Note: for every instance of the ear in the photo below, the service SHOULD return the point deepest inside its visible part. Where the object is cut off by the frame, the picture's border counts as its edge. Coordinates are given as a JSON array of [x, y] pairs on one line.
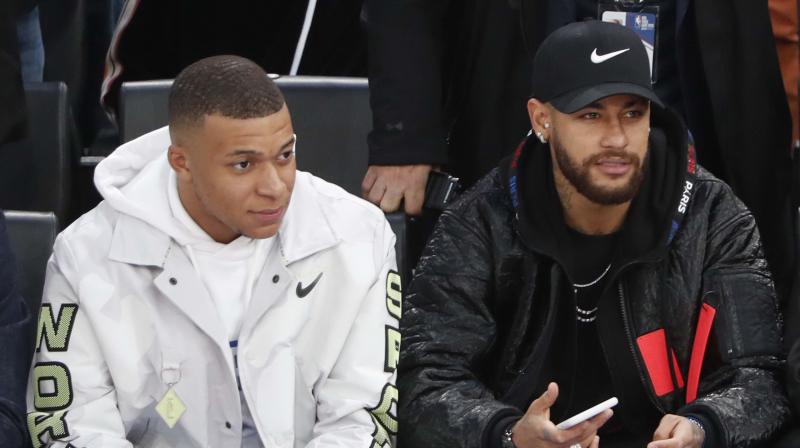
[[179, 161], [539, 115]]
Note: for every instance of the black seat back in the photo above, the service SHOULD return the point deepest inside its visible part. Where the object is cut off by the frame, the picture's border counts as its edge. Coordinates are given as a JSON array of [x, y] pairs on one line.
[[31, 235], [35, 172], [331, 117], [142, 107]]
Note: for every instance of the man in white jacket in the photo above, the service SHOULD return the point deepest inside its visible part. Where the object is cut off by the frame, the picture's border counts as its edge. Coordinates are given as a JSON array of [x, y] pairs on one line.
[[217, 297]]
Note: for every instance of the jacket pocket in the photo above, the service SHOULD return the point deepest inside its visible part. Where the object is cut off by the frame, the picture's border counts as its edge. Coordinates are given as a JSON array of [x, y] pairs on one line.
[[653, 348], [747, 321]]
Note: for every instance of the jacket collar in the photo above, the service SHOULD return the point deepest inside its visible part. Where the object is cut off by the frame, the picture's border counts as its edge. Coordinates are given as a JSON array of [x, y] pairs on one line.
[[307, 227], [136, 242], [306, 230]]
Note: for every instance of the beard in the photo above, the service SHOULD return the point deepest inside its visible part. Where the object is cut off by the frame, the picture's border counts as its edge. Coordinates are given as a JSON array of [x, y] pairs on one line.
[[578, 173]]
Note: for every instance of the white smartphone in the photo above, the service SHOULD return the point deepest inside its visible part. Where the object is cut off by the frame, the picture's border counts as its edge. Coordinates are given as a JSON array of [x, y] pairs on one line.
[[587, 414]]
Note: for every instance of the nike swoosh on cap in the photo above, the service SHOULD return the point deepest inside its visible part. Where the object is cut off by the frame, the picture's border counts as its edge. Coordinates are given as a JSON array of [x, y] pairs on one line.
[[597, 59]]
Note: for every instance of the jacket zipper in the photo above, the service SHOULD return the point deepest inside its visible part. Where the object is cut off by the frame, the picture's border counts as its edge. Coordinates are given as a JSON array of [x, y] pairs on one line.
[[632, 349], [628, 332]]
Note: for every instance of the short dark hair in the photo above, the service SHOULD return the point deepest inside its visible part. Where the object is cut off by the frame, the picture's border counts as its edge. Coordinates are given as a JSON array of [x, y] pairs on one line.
[[231, 86]]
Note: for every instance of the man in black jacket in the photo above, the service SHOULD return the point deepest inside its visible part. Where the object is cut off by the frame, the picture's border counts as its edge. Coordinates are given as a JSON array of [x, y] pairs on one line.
[[15, 350], [448, 81], [602, 258]]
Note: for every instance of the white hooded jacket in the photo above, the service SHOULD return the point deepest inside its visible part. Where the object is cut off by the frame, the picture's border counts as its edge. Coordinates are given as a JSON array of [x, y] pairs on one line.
[[125, 319]]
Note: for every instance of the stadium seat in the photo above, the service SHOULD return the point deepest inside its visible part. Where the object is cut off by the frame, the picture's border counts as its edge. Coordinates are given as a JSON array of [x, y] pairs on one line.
[[331, 117], [142, 107], [35, 172], [31, 235]]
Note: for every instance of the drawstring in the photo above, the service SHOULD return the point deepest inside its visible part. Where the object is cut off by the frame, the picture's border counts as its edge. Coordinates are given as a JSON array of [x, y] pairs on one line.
[[301, 42]]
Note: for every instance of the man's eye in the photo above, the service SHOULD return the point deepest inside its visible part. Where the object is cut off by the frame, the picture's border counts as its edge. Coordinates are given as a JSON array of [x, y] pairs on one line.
[[285, 155], [241, 165], [634, 114], [591, 115]]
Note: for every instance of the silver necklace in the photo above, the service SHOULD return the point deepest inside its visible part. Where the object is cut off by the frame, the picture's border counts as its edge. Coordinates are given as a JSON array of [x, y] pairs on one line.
[[583, 315], [593, 282], [586, 316]]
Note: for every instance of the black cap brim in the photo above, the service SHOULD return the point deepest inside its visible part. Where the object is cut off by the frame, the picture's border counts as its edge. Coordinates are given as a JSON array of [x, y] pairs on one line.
[[577, 99]]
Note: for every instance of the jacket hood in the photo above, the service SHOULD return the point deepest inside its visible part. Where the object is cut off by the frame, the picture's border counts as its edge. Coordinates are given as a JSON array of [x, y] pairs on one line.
[[655, 213], [134, 180]]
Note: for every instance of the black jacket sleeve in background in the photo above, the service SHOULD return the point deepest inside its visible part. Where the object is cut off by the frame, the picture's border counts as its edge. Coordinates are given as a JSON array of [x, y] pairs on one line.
[[405, 44], [15, 350], [12, 97]]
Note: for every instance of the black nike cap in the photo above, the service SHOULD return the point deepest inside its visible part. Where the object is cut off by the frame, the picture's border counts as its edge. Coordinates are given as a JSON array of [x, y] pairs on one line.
[[583, 62]]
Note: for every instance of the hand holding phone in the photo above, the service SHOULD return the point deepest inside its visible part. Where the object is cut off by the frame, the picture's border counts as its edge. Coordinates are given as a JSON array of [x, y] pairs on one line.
[[536, 429], [587, 414]]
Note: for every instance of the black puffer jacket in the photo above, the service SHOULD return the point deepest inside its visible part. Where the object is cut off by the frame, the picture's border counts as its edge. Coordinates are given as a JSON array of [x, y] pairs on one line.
[[480, 328]]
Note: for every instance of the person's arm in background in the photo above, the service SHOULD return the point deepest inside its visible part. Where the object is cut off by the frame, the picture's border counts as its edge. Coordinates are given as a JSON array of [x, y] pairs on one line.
[[15, 350], [405, 43], [785, 28], [143, 46]]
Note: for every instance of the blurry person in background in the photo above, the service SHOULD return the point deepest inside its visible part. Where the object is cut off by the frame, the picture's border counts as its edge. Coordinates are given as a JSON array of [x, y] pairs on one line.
[[31, 47], [155, 39], [787, 41], [12, 96]]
